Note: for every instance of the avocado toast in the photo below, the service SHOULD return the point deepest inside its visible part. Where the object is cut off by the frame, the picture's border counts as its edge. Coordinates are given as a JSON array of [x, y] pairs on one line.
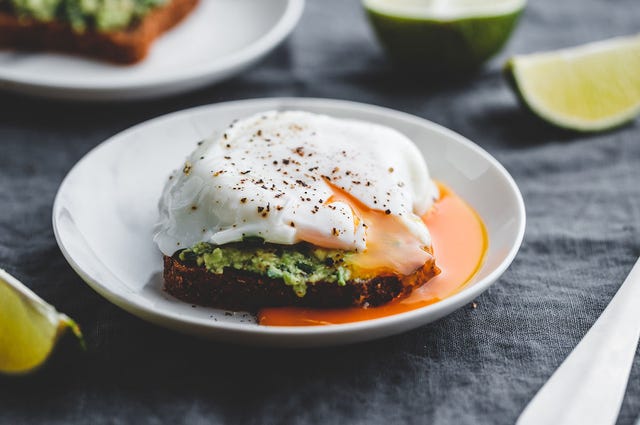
[[253, 274], [292, 208], [120, 31]]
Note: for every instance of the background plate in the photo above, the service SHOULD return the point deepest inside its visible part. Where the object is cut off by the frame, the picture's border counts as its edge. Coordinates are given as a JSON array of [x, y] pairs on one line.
[[106, 207], [219, 39]]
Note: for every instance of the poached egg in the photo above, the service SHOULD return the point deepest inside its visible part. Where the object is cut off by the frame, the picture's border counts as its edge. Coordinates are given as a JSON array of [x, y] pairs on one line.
[[294, 176]]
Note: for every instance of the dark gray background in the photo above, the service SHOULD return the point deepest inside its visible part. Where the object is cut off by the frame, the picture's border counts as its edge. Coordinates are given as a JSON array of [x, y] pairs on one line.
[[477, 366]]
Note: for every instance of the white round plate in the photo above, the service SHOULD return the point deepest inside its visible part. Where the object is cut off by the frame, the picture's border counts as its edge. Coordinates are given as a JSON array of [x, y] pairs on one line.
[[106, 207], [217, 40]]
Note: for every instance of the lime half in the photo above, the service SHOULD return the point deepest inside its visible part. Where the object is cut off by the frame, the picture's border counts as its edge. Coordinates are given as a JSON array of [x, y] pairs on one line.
[[587, 88], [29, 327], [443, 35]]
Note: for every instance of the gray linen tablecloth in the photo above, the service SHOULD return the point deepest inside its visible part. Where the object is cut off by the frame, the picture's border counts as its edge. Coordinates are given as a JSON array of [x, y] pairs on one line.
[[476, 366]]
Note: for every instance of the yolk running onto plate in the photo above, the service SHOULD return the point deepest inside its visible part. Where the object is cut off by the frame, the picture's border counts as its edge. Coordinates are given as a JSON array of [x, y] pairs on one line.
[[459, 243]]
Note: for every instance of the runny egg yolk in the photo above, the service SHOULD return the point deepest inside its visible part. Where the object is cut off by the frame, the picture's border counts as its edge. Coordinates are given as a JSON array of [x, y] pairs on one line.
[[459, 241], [391, 248]]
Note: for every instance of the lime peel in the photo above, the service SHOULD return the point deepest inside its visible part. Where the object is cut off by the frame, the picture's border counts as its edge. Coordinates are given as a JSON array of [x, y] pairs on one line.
[[29, 327], [588, 88]]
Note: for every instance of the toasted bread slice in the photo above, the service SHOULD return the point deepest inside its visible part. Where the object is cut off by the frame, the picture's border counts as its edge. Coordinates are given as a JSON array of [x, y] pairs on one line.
[[124, 46], [242, 290]]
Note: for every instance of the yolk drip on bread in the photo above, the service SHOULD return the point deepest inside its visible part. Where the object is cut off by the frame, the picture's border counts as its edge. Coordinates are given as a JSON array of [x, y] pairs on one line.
[[391, 248]]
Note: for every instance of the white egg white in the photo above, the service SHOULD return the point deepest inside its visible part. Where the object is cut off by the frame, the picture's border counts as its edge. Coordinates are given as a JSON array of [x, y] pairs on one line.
[[267, 176]]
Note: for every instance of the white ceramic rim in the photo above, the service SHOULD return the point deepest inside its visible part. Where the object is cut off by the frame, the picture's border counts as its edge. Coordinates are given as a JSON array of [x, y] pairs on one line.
[[436, 310], [246, 55]]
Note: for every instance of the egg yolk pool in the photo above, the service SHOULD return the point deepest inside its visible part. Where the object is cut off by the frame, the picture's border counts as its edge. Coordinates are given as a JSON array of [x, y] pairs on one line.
[[459, 241]]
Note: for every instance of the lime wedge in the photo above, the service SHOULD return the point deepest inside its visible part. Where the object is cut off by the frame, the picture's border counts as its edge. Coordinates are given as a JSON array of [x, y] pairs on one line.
[[29, 327], [587, 88], [443, 35]]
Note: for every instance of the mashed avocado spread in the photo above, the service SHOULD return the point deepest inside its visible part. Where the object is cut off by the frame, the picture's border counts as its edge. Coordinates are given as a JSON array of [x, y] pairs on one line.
[[101, 15], [296, 265]]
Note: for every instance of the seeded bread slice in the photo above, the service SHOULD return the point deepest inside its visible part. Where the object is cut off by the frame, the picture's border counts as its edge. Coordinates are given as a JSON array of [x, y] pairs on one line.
[[125, 46], [242, 290]]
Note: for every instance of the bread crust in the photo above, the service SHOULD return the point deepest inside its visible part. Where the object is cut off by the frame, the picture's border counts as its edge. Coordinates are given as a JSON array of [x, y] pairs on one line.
[[124, 46], [242, 290]]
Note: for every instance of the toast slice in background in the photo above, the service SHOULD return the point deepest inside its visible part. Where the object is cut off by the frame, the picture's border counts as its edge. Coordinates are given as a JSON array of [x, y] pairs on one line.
[[126, 46]]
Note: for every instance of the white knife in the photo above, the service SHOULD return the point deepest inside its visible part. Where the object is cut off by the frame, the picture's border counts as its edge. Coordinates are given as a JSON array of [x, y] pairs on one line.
[[589, 385]]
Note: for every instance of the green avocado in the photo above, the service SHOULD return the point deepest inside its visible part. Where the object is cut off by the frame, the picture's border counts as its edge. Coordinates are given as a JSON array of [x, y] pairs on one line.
[[100, 15], [296, 265]]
